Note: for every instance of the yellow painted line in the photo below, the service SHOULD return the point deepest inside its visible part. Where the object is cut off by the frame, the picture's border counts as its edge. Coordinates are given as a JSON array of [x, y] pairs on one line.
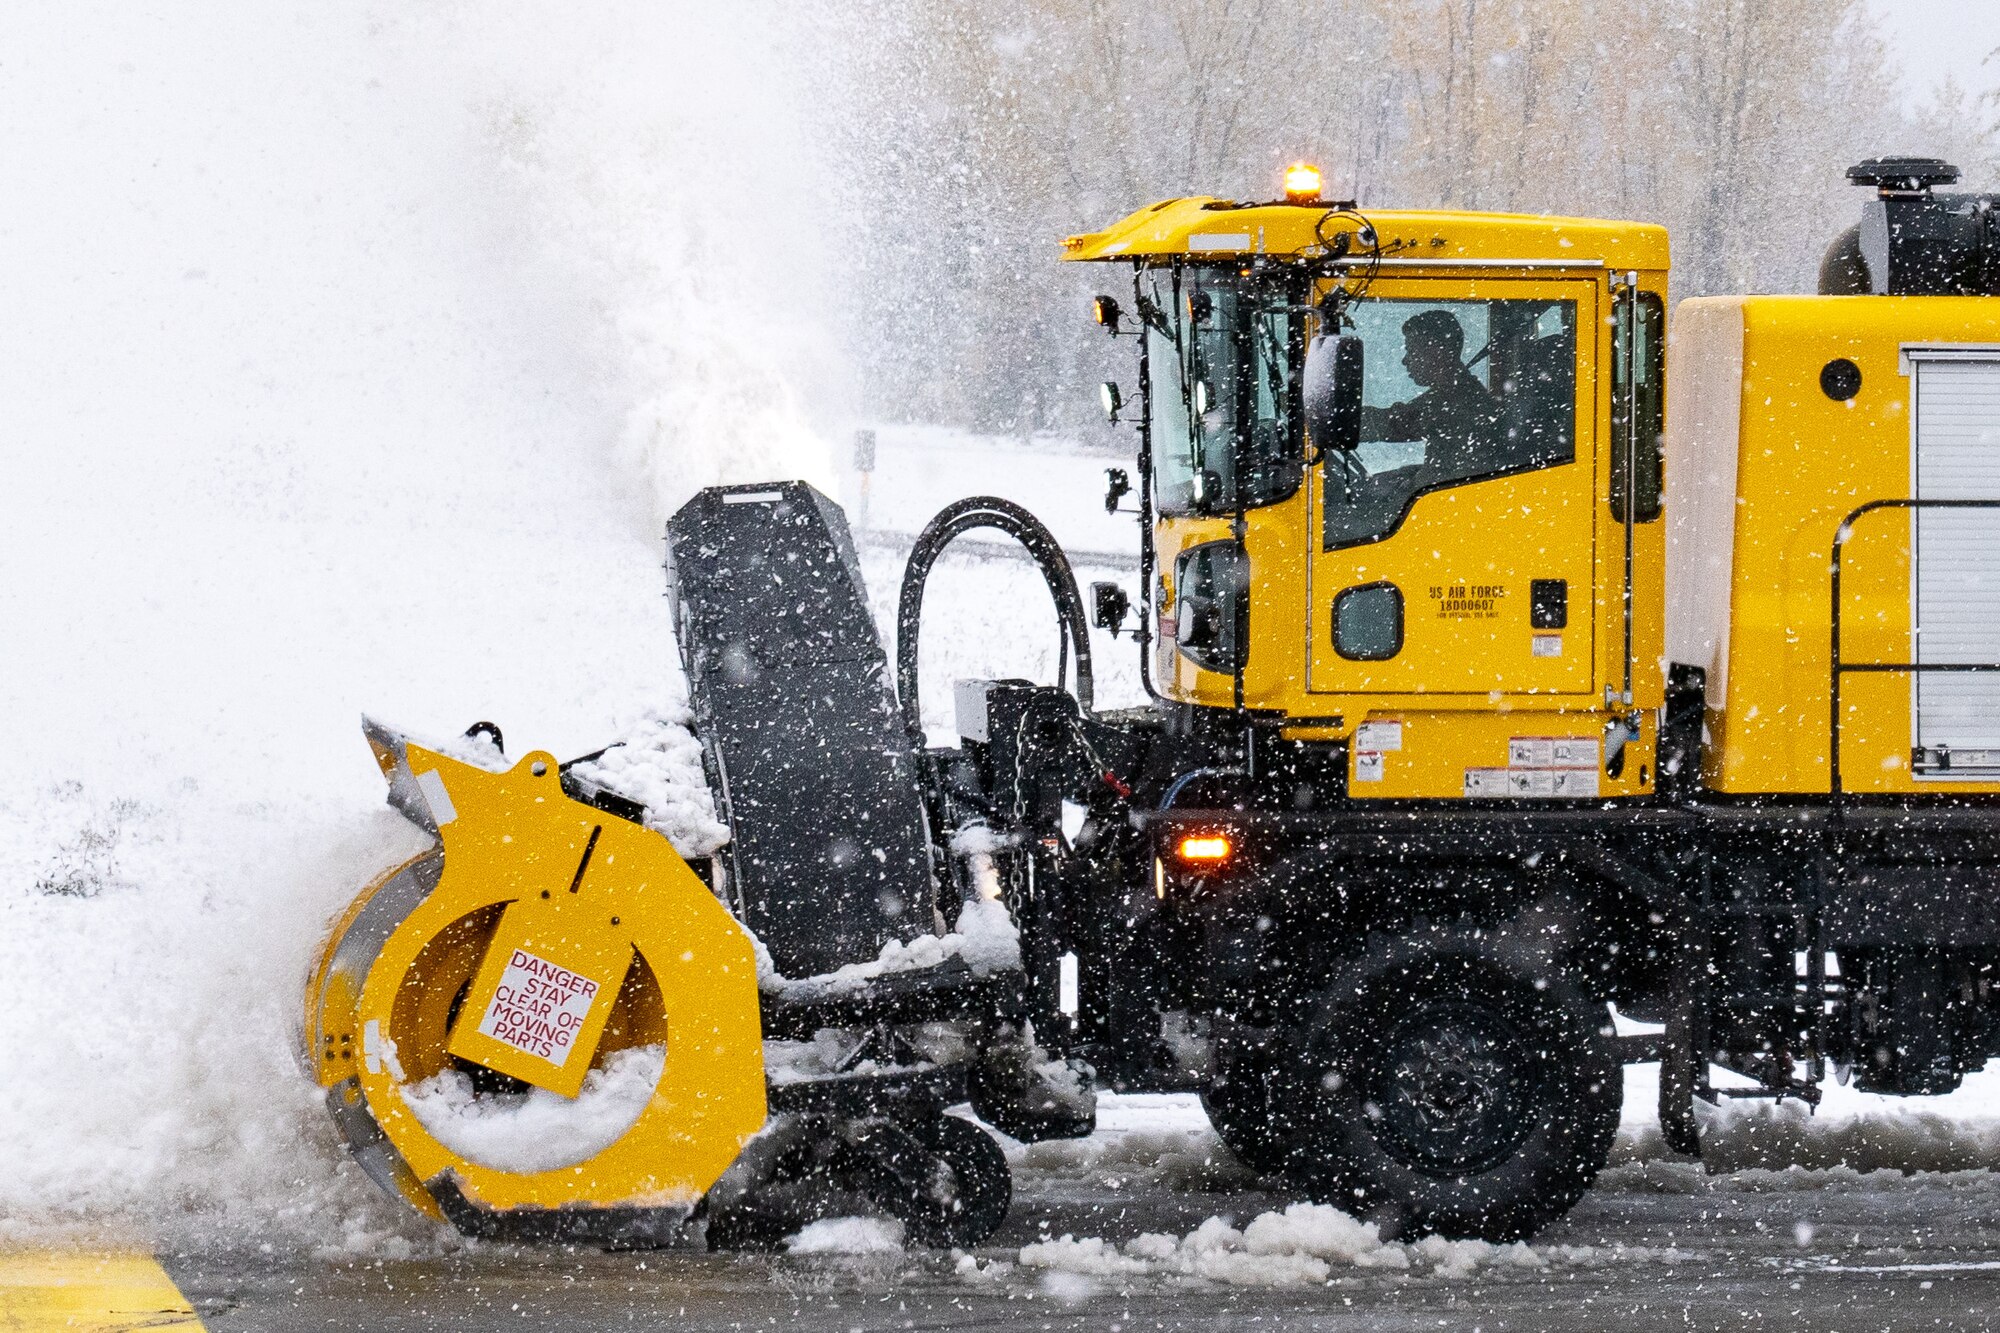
[[88, 1292]]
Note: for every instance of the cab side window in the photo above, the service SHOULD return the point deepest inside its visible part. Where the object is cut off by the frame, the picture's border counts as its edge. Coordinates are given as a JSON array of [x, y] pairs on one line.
[[1638, 403], [1455, 392]]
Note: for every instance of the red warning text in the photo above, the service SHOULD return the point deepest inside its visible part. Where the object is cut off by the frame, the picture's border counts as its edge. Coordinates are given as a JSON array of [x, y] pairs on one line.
[[539, 1007]]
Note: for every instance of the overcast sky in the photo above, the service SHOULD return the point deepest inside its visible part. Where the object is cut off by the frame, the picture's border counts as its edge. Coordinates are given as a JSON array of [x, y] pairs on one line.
[[1936, 36]]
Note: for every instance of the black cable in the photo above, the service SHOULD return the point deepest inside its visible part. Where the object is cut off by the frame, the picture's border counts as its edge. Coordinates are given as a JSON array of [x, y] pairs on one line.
[[985, 511]]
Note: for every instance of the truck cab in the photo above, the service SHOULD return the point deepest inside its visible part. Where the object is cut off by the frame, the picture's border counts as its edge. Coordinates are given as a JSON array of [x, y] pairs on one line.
[[1452, 595]]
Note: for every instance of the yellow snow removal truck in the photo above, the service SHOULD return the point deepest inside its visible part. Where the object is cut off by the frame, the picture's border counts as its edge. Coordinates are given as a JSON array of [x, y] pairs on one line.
[[1492, 687]]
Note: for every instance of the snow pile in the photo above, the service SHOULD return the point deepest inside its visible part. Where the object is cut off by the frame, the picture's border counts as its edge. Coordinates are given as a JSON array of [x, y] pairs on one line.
[[972, 1268], [1172, 1156], [985, 939], [981, 839], [1307, 1244], [538, 1130], [848, 1235], [1754, 1145], [154, 1087], [829, 1052], [474, 748], [1302, 1245], [1749, 1137], [658, 764]]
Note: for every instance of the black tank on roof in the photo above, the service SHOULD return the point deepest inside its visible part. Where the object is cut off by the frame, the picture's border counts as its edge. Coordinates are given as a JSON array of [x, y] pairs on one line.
[[1912, 241]]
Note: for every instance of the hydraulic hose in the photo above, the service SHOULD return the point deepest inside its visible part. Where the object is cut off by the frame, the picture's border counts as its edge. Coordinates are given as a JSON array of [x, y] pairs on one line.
[[985, 511]]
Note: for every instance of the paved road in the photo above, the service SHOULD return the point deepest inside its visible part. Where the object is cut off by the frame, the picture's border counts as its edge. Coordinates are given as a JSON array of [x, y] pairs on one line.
[[1659, 1245], [1918, 1267]]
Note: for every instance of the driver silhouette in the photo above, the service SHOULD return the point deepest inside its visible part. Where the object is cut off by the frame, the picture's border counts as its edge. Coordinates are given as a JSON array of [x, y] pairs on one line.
[[1454, 415]]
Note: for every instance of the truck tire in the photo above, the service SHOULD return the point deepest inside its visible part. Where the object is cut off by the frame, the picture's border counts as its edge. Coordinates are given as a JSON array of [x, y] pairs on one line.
[[1446, 1083]]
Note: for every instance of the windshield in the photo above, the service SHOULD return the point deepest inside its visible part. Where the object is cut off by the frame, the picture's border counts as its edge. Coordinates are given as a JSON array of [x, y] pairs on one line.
[[1453, 392], [1221, 357]]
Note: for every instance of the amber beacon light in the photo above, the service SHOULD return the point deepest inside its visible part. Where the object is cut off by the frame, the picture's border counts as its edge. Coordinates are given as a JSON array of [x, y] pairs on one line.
[[1208, 847], [1302, 183]]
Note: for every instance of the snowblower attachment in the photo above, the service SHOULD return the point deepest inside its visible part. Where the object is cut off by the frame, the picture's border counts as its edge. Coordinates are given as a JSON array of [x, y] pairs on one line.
[[550, 1026], [539, 951]]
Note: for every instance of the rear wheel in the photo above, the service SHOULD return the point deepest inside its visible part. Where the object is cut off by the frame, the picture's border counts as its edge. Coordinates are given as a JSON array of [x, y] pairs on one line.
[[1444, 1086]]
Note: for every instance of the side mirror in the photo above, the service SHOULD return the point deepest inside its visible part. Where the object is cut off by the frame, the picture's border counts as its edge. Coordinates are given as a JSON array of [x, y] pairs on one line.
[[1113, 400], [1117, 485], [1106, 312], [1109, 607], [1332, 392]]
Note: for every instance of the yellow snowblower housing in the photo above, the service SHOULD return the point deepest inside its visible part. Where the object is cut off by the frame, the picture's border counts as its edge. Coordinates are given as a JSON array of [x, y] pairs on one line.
[[1395, 496], [537, 941]]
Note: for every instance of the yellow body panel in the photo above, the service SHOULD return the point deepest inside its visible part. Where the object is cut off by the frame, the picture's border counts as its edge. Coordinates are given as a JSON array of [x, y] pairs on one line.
[[1209, 228], [1529, 753], [1761, 475], [669, 964]]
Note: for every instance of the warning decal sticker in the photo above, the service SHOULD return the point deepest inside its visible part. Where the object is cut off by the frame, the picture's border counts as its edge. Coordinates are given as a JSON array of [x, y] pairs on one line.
[[1379, 736], [1552, 752], [539, 1007], [1554, 766], [1371, 741]]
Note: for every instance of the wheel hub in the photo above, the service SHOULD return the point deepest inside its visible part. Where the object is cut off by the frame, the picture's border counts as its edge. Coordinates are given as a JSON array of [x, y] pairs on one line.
[[1453, 1091]]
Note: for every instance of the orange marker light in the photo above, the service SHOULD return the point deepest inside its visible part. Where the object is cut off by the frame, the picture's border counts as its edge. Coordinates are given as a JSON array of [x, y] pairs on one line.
[[1302, 183], [1205, 847]]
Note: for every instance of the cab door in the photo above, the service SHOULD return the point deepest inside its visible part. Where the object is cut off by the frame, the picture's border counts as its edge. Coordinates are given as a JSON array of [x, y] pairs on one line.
[[1452, 552]]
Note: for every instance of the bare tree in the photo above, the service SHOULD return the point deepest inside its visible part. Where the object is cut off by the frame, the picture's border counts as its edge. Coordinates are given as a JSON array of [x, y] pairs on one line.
[[998, 129]]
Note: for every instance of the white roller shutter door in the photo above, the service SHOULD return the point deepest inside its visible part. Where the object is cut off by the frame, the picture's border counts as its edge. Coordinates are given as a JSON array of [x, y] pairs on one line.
[[1956, 563]]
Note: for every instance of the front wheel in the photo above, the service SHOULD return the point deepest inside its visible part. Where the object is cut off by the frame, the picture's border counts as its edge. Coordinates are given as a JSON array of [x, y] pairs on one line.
[[1447, 1084], [973, 1203]]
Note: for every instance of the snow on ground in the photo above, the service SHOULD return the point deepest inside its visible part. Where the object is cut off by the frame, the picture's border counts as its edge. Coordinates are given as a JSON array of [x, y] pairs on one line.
[[1151, 1146], [1303, 1243], [848, 1235], [1162, 1144]]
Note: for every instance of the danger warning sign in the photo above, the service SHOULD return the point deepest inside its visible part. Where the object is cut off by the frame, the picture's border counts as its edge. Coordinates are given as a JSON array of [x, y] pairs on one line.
[[539, 1007]]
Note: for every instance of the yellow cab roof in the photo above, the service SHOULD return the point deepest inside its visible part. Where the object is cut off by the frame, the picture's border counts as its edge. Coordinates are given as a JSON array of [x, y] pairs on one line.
[[1202, 226]]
